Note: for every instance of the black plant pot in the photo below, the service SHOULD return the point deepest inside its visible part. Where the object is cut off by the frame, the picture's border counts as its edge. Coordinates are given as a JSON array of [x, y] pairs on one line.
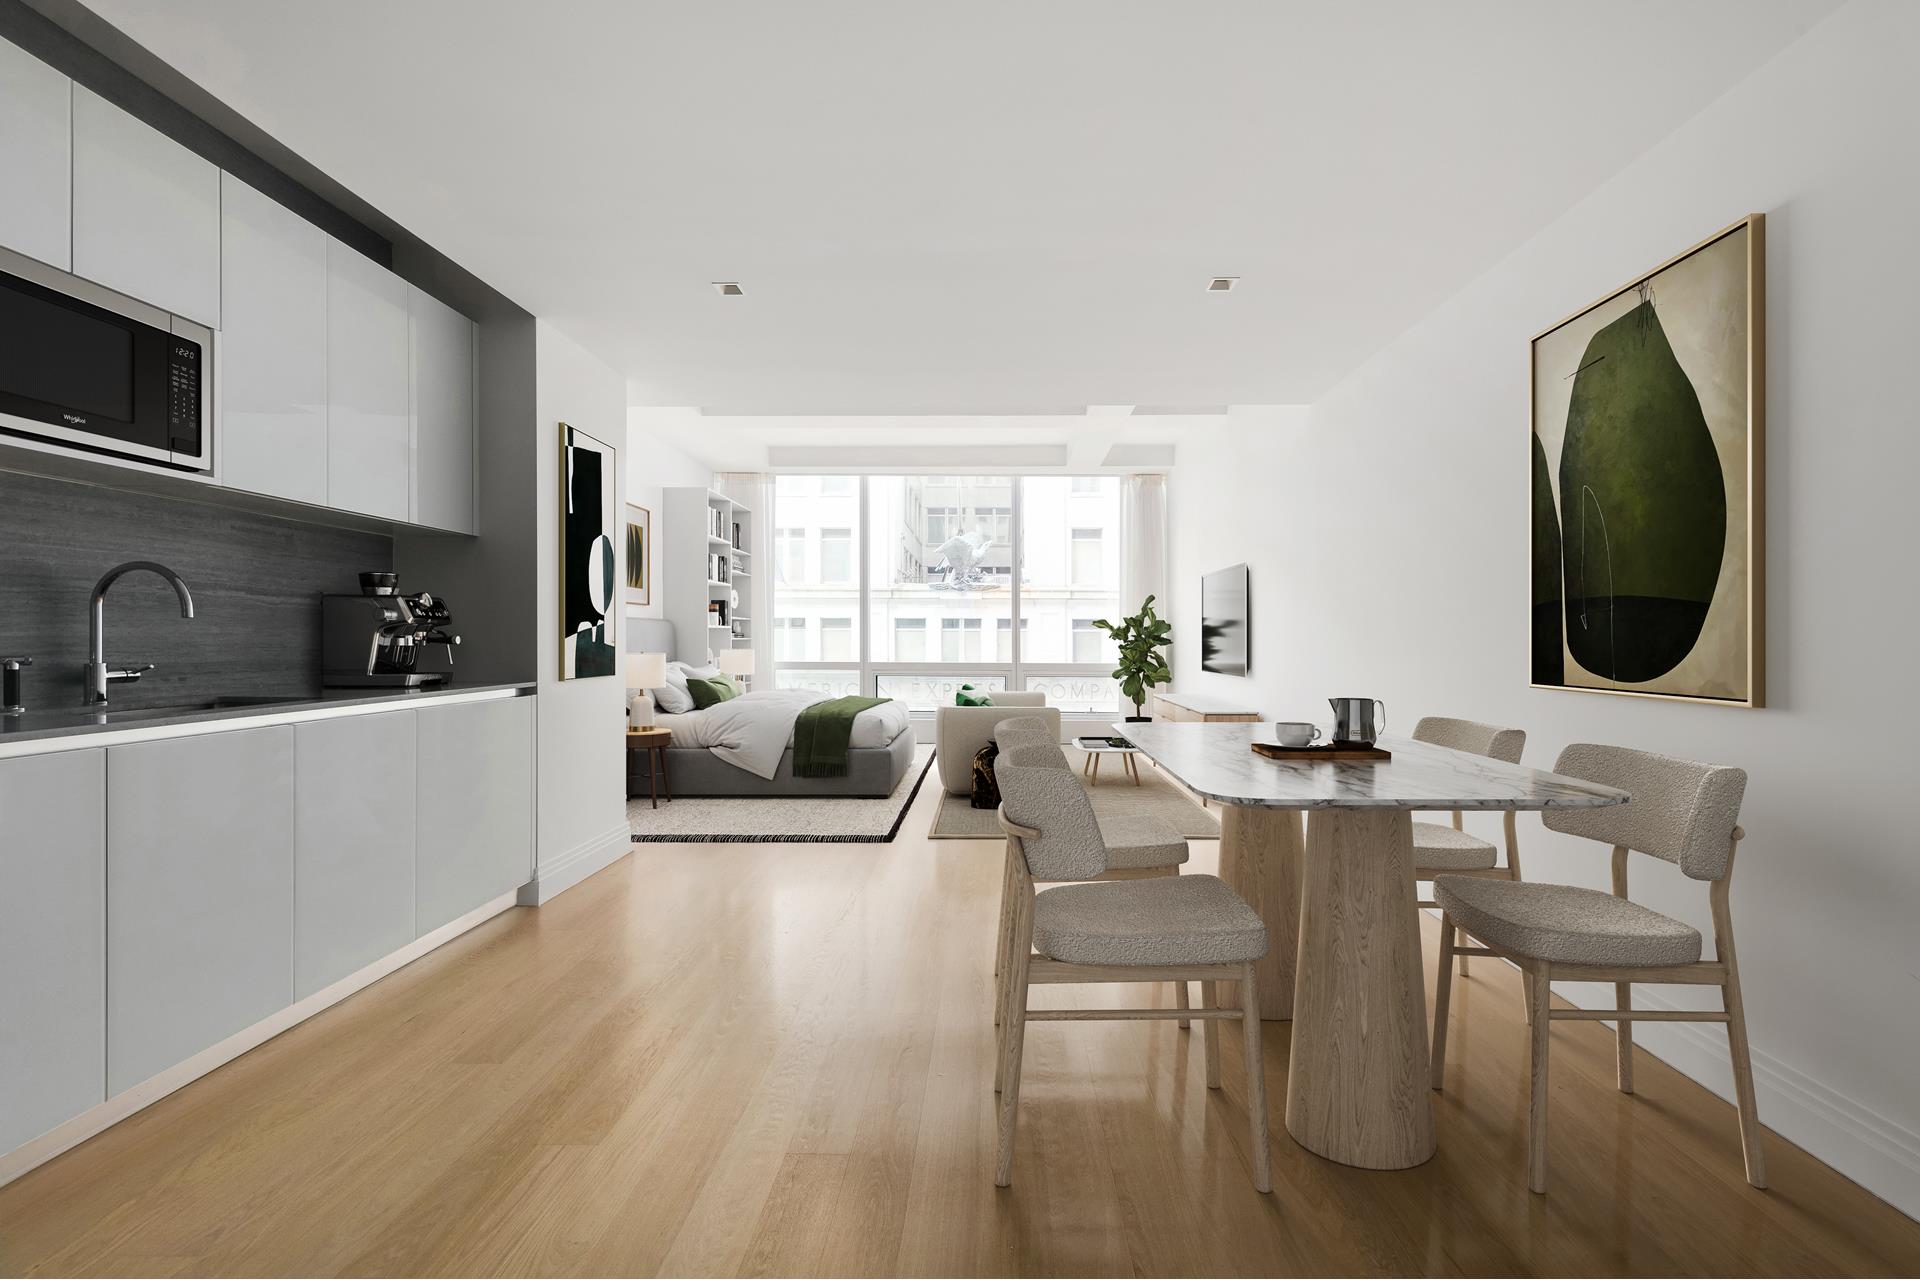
[[1137, 720]]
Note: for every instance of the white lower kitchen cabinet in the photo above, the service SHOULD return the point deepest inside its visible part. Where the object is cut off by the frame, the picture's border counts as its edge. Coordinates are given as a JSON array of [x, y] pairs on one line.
[[199, 894], [352, 845], [475, 834], [53, 864]]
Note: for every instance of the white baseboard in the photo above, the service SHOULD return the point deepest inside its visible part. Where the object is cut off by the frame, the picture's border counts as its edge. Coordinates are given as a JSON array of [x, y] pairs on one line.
[[94, 1119], [551, 878], [1870, 1149]]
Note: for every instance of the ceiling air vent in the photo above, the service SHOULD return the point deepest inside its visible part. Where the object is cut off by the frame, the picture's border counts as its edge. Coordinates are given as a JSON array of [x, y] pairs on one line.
[[1222, 284], [729, 289]]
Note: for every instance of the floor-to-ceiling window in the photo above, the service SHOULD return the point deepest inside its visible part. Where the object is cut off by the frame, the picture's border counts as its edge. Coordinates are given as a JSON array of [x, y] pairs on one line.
[[911, 586]]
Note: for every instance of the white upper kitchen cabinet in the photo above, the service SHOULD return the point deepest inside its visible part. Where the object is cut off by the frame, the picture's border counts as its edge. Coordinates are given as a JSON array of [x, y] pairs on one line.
[[36, 158], [272, 362], [368, 447], [146, 212], [440, 409]]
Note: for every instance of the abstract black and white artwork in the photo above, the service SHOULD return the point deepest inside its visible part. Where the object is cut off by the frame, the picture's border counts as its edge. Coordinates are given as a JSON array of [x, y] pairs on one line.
[[1224, 639], [1647, 514], [587, 521]]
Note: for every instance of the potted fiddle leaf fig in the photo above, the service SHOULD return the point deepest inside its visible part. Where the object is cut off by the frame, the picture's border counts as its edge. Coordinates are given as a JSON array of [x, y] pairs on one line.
[[1142, 665]]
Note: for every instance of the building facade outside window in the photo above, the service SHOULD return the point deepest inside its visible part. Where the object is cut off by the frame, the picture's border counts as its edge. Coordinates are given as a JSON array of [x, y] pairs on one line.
[[918, 581]]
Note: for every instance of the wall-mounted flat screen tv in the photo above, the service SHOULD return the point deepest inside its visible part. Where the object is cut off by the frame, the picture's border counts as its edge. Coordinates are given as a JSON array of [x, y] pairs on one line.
[[1226, 644]]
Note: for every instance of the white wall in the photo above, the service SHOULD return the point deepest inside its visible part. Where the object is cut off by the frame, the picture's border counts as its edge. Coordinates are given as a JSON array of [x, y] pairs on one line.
[[1387, 534], [581, 822], [657, 460]]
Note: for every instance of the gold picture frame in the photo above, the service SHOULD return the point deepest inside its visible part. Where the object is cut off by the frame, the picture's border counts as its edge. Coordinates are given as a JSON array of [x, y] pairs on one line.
[[1636, 546]]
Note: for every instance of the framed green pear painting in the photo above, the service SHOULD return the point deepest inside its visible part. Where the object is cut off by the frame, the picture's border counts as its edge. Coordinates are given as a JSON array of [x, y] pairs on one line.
[[1648, 464]]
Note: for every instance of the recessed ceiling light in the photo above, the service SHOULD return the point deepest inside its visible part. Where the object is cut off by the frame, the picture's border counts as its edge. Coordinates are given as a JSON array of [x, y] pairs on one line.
[[729, 289], [1222, 284]]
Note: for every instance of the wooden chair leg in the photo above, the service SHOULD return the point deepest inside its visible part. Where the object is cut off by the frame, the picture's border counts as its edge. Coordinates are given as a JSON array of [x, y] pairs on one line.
[[1256, 1081], [1014, 1037], [1443, 997], [1623, 1039], [1180, 1001], [1622, 992], [1463, 959], [1210, 999], [1539, 992], [1737, 1047]]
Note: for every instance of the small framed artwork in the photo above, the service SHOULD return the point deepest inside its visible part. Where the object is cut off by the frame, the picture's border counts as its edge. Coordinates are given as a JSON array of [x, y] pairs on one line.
[[1649, 469], [587, 506], [639, 553]]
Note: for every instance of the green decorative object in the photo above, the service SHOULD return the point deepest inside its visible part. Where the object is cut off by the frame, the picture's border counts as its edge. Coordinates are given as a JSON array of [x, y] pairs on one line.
[[710, 692], [965, 696], [1142, 664]]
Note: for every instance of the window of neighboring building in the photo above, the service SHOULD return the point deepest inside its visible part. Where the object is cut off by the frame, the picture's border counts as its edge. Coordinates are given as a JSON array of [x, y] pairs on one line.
[[836, 640], [909, 640], [836, 555]]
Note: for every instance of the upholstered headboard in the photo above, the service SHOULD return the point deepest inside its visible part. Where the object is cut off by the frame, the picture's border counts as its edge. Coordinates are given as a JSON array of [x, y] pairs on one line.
[[651, 635]]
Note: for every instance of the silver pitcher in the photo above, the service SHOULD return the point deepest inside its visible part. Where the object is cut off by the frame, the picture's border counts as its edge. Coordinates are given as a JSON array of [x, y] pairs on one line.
[[1354, 719]]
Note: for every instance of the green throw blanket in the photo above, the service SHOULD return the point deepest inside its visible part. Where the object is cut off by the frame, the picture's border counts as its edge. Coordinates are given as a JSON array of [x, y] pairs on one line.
[[821, 733]]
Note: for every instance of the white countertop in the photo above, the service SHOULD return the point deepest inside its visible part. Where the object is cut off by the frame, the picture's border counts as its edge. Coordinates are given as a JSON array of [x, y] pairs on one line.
[[1217, 761], [66, 729]]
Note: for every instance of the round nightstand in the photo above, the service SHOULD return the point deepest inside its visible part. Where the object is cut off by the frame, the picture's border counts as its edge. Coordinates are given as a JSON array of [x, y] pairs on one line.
[[654, 741]]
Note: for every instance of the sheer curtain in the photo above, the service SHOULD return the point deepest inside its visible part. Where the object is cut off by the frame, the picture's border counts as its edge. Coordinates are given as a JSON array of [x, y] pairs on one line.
[[754, 490], [1143, 542]]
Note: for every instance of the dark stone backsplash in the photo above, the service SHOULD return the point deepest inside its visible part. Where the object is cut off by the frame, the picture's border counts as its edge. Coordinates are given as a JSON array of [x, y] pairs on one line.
[[256, 583]]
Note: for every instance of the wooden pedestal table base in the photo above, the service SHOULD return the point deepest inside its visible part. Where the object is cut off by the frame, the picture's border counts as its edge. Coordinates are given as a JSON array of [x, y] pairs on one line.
[[1357, 1087], [1260, 857]]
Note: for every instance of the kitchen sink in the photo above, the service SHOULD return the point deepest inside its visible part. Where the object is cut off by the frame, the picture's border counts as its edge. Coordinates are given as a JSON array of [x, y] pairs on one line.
[[109, 715]]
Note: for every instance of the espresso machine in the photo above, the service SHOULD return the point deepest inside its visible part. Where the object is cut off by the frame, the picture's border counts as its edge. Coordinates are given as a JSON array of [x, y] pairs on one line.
[[381, 639]]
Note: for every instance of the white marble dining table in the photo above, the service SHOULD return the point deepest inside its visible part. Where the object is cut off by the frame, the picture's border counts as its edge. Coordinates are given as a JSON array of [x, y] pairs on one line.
[[1338, 899]]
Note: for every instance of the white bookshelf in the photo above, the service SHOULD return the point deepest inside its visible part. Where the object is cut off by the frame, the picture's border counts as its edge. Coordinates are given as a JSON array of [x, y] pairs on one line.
[[706, 562]]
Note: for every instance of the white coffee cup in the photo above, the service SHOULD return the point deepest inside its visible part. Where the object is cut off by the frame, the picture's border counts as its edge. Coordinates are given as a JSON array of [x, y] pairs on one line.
[[1294, 733]]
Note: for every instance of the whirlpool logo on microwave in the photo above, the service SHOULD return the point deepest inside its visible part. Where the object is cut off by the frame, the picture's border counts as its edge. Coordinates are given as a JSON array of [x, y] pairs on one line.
[[76, 419]]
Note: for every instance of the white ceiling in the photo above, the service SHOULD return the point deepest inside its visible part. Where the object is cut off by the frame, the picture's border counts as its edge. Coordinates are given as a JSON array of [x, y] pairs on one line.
[[978, 206]]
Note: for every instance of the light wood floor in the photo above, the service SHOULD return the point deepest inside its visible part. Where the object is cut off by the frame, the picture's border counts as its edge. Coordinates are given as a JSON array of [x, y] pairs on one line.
[[777, 1059]]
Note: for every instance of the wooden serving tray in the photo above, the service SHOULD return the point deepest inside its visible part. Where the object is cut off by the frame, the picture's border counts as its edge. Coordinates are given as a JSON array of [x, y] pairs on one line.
[[1321, 751]]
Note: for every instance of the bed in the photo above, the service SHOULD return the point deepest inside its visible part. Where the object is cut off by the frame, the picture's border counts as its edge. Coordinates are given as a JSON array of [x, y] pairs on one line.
[[698, 764]]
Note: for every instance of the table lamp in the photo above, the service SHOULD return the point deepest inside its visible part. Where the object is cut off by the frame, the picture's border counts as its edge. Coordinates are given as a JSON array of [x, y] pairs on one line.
[[644, 671], [736, 663]]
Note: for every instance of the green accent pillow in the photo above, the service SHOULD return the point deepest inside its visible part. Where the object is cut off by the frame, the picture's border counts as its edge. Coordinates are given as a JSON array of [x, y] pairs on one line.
[[707, 693], [966, 697]]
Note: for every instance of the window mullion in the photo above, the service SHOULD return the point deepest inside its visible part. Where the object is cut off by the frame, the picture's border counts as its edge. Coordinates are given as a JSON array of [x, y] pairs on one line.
[[1017, 559]]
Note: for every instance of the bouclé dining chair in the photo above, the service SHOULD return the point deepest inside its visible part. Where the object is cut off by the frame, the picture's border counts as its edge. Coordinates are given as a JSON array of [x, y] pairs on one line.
[[1682, 812], [1439, 850], [1164, 929], [1138, 848]]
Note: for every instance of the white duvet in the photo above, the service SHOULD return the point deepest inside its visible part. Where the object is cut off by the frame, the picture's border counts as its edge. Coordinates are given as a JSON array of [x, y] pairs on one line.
[[755, 729]]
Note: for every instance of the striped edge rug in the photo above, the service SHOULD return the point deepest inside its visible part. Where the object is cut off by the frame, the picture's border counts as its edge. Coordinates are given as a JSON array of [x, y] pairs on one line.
[[780, 819]]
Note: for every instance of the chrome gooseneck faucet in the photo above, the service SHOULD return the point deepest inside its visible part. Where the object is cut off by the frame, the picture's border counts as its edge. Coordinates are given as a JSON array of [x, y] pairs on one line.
[[98, 676]]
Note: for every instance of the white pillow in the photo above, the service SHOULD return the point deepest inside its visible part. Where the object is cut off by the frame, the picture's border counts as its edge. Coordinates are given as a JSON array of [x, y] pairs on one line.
[[673, 697]]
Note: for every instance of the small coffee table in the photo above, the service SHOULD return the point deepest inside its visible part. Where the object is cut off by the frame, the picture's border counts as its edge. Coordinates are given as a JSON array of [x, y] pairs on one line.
[[654, 740], [1097, 747]]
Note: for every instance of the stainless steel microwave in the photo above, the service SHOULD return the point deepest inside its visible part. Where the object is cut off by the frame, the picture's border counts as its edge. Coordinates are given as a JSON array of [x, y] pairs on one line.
[[83, 366]]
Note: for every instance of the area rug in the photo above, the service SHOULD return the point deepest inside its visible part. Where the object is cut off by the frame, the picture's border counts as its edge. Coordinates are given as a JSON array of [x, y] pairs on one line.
[[1113, 796], [780, 819]]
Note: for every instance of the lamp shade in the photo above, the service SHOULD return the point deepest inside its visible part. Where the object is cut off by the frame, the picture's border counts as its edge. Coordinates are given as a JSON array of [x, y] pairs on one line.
[[736, 662], [646, 670]]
